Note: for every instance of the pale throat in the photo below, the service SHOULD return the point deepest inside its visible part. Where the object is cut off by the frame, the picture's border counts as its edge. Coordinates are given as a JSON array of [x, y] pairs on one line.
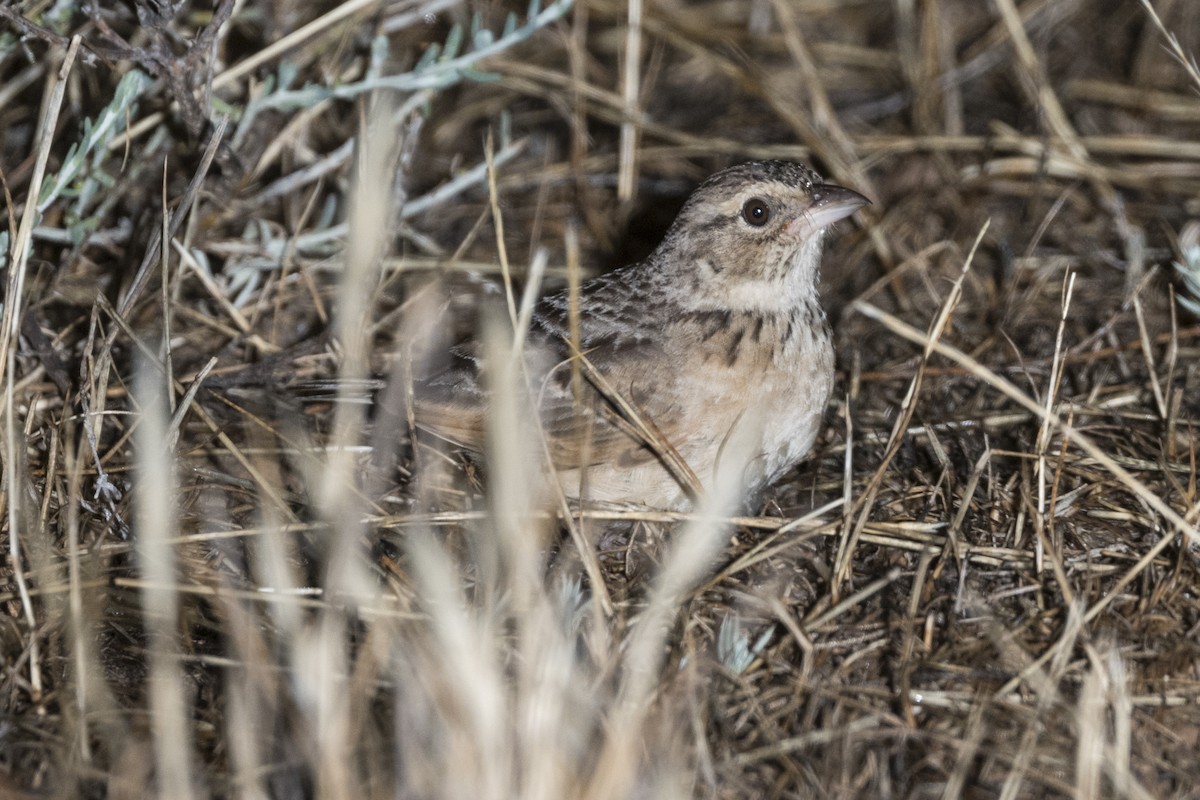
[[774, 291]]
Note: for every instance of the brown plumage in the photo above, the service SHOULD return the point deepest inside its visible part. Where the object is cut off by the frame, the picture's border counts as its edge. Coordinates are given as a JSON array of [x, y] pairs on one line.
[[720, 326]]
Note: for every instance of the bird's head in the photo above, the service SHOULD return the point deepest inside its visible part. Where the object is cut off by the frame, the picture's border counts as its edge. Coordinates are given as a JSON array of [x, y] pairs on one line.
[[750, 235]]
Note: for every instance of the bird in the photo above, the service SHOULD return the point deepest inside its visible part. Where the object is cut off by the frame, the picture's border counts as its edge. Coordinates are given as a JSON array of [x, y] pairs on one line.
[[720, 326]]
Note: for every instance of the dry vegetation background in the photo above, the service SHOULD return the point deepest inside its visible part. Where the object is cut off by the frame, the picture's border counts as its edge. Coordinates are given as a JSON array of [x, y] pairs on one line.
[[983, 584]]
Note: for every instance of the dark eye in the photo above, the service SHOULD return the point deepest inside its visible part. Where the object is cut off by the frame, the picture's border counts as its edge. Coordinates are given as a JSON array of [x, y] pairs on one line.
[[756, 212]]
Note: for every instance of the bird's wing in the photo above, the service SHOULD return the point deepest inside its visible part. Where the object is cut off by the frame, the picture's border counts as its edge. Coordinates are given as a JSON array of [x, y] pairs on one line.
[[609, 422], [604, 418], [452, 404], [593, 427]]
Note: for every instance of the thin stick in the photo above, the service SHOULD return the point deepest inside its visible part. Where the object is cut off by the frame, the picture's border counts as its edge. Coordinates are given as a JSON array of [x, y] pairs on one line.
[[1043, 440], [19, 251], [629, 95], [1079, 439], [165, 256], [13, 454], [849, 543], [1188, 60], [498, 224]]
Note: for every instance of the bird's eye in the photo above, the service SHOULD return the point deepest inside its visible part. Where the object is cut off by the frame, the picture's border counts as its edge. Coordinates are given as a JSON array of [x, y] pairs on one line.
[[756, 212]]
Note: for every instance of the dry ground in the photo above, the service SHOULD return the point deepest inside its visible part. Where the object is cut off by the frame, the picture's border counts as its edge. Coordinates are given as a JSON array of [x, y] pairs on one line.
[[983, 583]]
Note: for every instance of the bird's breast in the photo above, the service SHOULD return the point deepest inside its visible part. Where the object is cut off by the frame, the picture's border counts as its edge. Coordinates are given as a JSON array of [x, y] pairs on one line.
[[770, 372], [715, 377]]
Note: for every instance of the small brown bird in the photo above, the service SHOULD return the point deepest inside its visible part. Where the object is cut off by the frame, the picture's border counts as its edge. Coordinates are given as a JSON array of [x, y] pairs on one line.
[[720, 326]]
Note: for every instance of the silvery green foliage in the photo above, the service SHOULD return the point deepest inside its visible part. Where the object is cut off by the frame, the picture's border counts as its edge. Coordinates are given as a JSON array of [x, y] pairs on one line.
[[1189, 268], [57, 18], [440, 66], [81, 175], [734, 649]]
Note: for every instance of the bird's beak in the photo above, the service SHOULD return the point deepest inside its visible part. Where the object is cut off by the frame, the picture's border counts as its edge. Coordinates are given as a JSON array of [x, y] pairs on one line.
[[828, 204]]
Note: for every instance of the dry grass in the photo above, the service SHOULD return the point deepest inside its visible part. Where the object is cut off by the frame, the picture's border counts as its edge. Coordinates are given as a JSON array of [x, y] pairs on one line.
[[226, 576]]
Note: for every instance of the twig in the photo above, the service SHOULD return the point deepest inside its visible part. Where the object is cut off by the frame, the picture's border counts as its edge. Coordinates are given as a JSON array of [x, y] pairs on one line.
[[14, 449]]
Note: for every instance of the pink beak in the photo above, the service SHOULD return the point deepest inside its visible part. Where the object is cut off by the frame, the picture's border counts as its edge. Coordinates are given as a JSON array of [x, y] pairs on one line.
[[829, 204]]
